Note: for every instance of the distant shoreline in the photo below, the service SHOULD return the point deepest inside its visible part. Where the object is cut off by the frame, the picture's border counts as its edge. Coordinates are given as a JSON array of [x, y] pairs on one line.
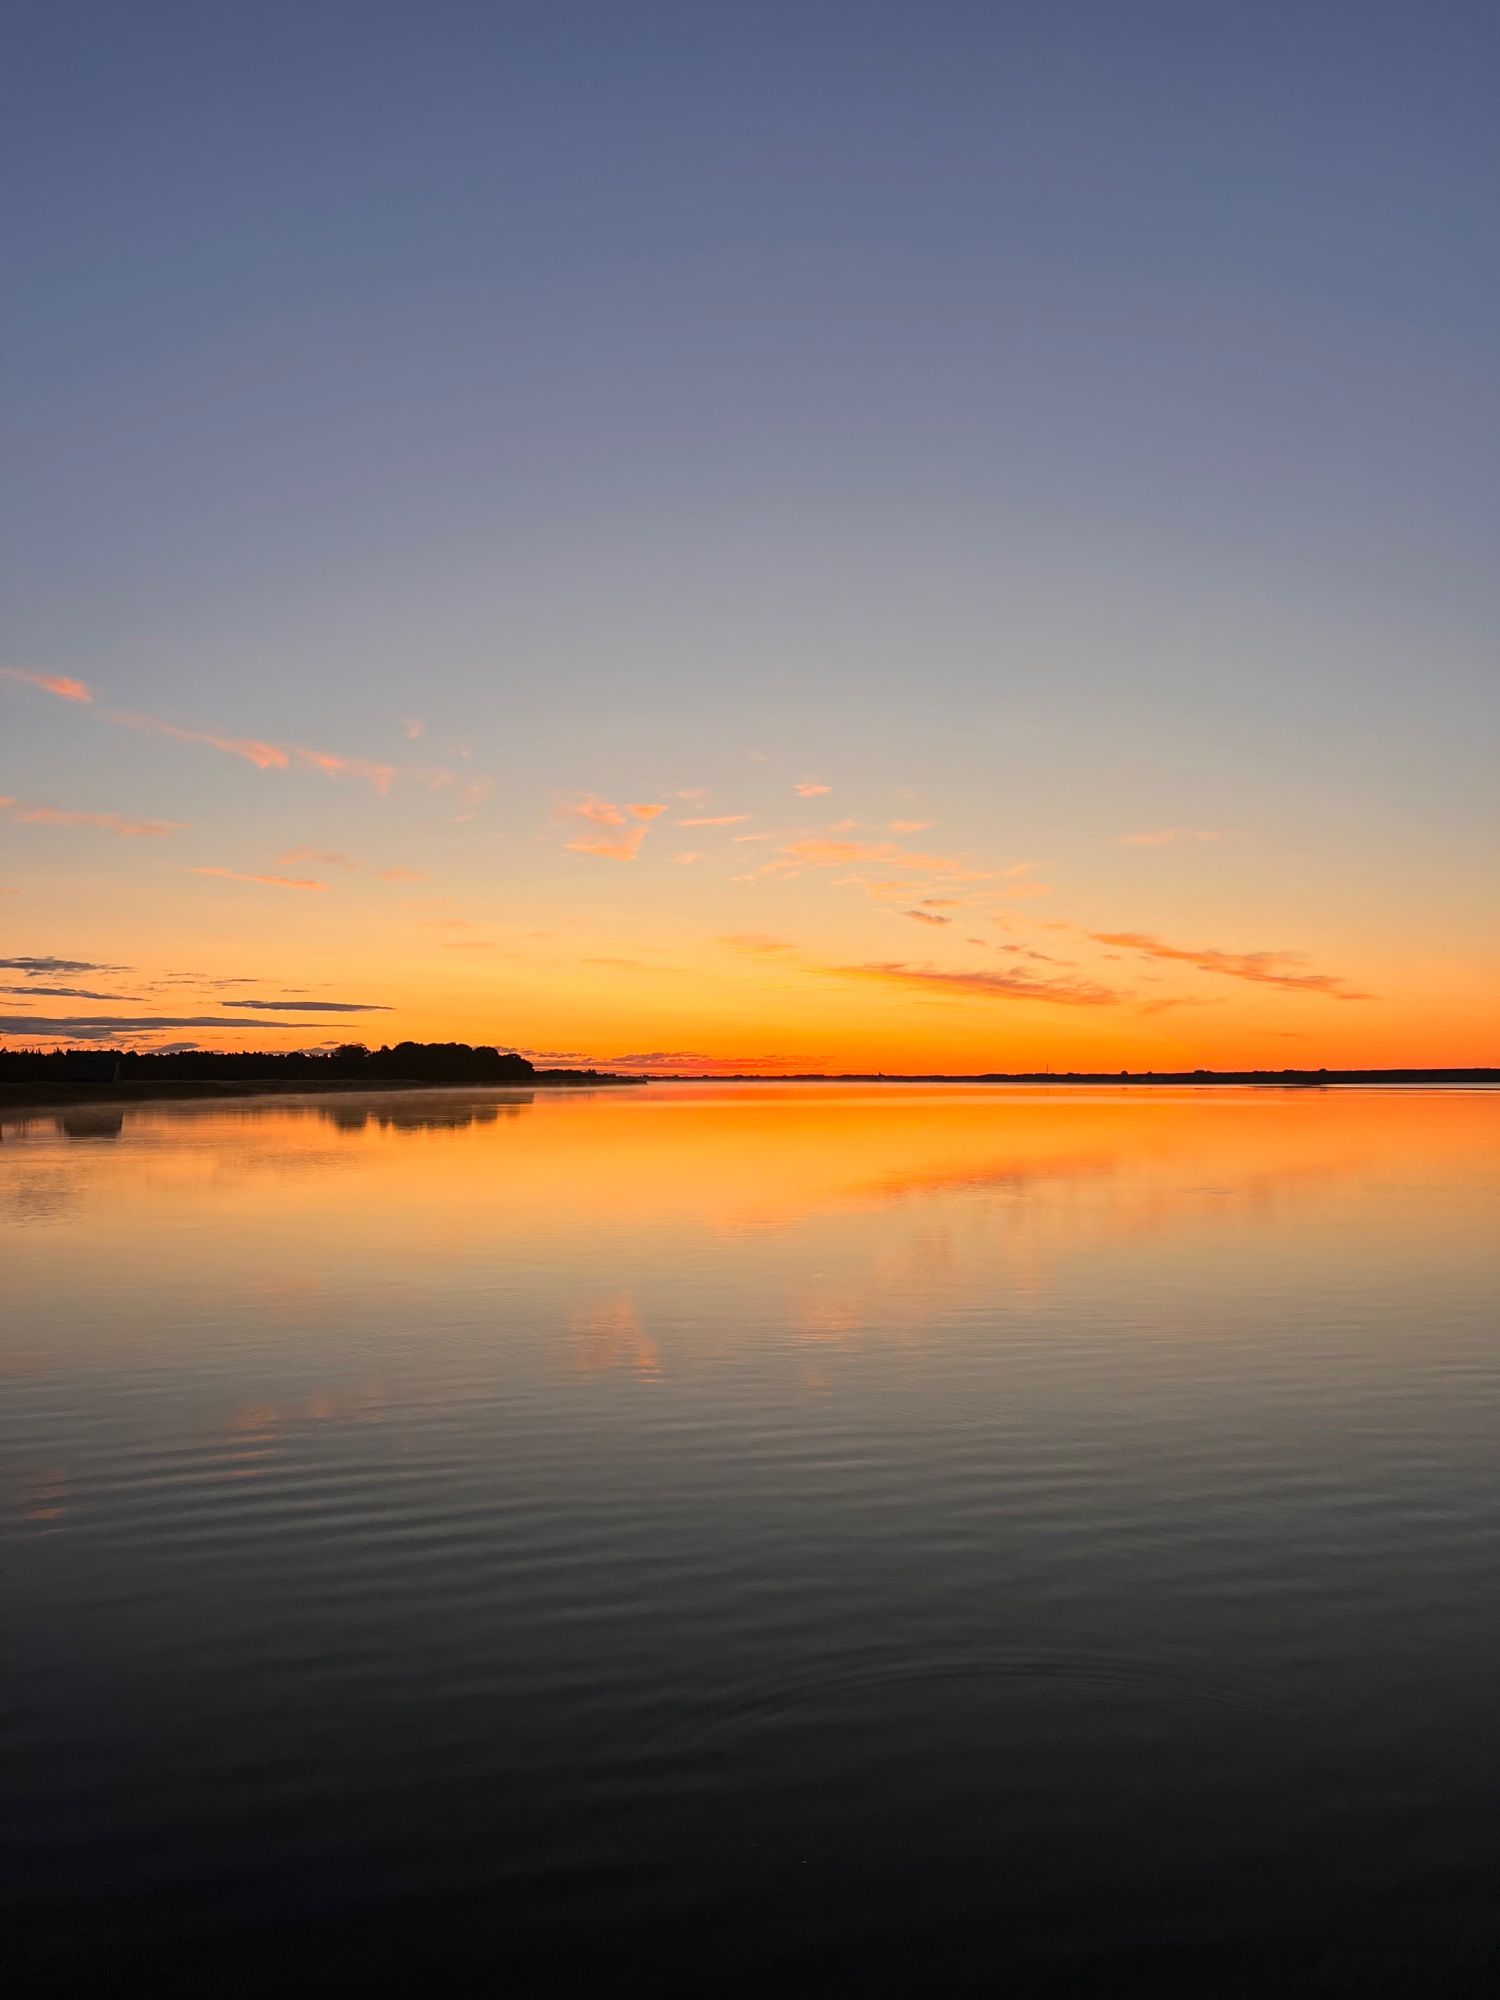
[[28, 1096], [1283, 1079]]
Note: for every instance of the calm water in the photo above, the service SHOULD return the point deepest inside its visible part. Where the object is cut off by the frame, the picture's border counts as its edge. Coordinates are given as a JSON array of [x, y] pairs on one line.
[[756, 1539]]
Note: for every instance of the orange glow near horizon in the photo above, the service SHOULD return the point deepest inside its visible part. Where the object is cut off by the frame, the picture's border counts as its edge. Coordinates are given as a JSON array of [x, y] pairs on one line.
[[779, 942]]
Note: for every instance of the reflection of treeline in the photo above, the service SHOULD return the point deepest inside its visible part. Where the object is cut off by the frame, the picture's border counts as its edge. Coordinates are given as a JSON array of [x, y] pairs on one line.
[[406, 1062]]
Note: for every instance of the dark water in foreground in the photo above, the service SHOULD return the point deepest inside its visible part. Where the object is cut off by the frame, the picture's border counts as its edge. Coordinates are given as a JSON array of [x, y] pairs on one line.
[[754, 1540]]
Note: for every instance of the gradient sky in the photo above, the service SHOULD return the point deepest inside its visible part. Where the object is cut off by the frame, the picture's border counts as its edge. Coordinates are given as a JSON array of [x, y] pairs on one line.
[[910, 536]]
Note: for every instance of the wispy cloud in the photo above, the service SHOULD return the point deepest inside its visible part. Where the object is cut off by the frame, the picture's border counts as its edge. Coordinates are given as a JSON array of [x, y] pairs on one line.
[[265, 881], [810, 788], [926, 917], [62, 685], [821, 851], [910, 825], [91, 1027], [381, 776], [128, 829], [646, 811], [400, 875], [714, 819], [1261, 968], [614, 839], [982, 985], [687, 858], [313, 1006], [606, 847], [597, 811], [264, 756], [50, 968], [1165, 836], [412, 728], [251, 749], [69, 993]]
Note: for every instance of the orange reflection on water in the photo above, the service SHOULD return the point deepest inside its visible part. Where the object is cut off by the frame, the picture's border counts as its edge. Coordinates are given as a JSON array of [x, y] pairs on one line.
[[855, 1213]]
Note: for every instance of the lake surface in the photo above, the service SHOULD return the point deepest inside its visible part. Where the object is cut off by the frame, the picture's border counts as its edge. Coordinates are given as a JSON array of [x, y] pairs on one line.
[[754, 1539]]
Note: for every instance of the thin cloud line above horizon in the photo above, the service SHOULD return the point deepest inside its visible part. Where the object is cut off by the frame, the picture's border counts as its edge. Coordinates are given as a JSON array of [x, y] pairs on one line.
[[108, 822], [1260, 968], [265, 881]]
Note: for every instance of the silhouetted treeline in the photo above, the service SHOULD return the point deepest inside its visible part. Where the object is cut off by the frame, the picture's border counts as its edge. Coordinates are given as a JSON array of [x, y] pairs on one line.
[[407, 1062]]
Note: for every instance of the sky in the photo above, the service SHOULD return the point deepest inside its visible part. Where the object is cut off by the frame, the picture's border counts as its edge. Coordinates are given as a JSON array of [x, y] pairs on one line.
[[888, 536]]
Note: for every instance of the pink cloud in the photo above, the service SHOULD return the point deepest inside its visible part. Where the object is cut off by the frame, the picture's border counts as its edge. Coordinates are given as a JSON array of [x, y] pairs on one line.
[[128, 829], [625, 848], [266, 881], [926, 917], [715, 819], [264, 756], [910, 825], [647, 812], [381, 776], [819, 851], [598, 812], [809, 788], [62, 685], [413, 728]]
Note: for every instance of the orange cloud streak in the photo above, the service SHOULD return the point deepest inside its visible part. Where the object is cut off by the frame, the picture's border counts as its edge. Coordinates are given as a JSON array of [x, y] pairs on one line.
[[266, 881], [264, 756], [129, 829], [1262, 968], [983, 985], [623, 849], [62, 685]]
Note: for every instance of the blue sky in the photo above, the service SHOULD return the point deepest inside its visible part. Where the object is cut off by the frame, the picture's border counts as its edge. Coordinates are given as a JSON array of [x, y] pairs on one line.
[[1081, 419]]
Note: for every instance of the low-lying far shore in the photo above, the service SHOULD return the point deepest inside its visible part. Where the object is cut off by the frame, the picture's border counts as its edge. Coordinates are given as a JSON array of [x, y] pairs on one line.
[[40, 1095], [1269, 1079]]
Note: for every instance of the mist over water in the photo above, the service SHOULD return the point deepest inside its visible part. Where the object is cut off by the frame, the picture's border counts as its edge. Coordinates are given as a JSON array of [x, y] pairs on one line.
[[753, 1539]]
